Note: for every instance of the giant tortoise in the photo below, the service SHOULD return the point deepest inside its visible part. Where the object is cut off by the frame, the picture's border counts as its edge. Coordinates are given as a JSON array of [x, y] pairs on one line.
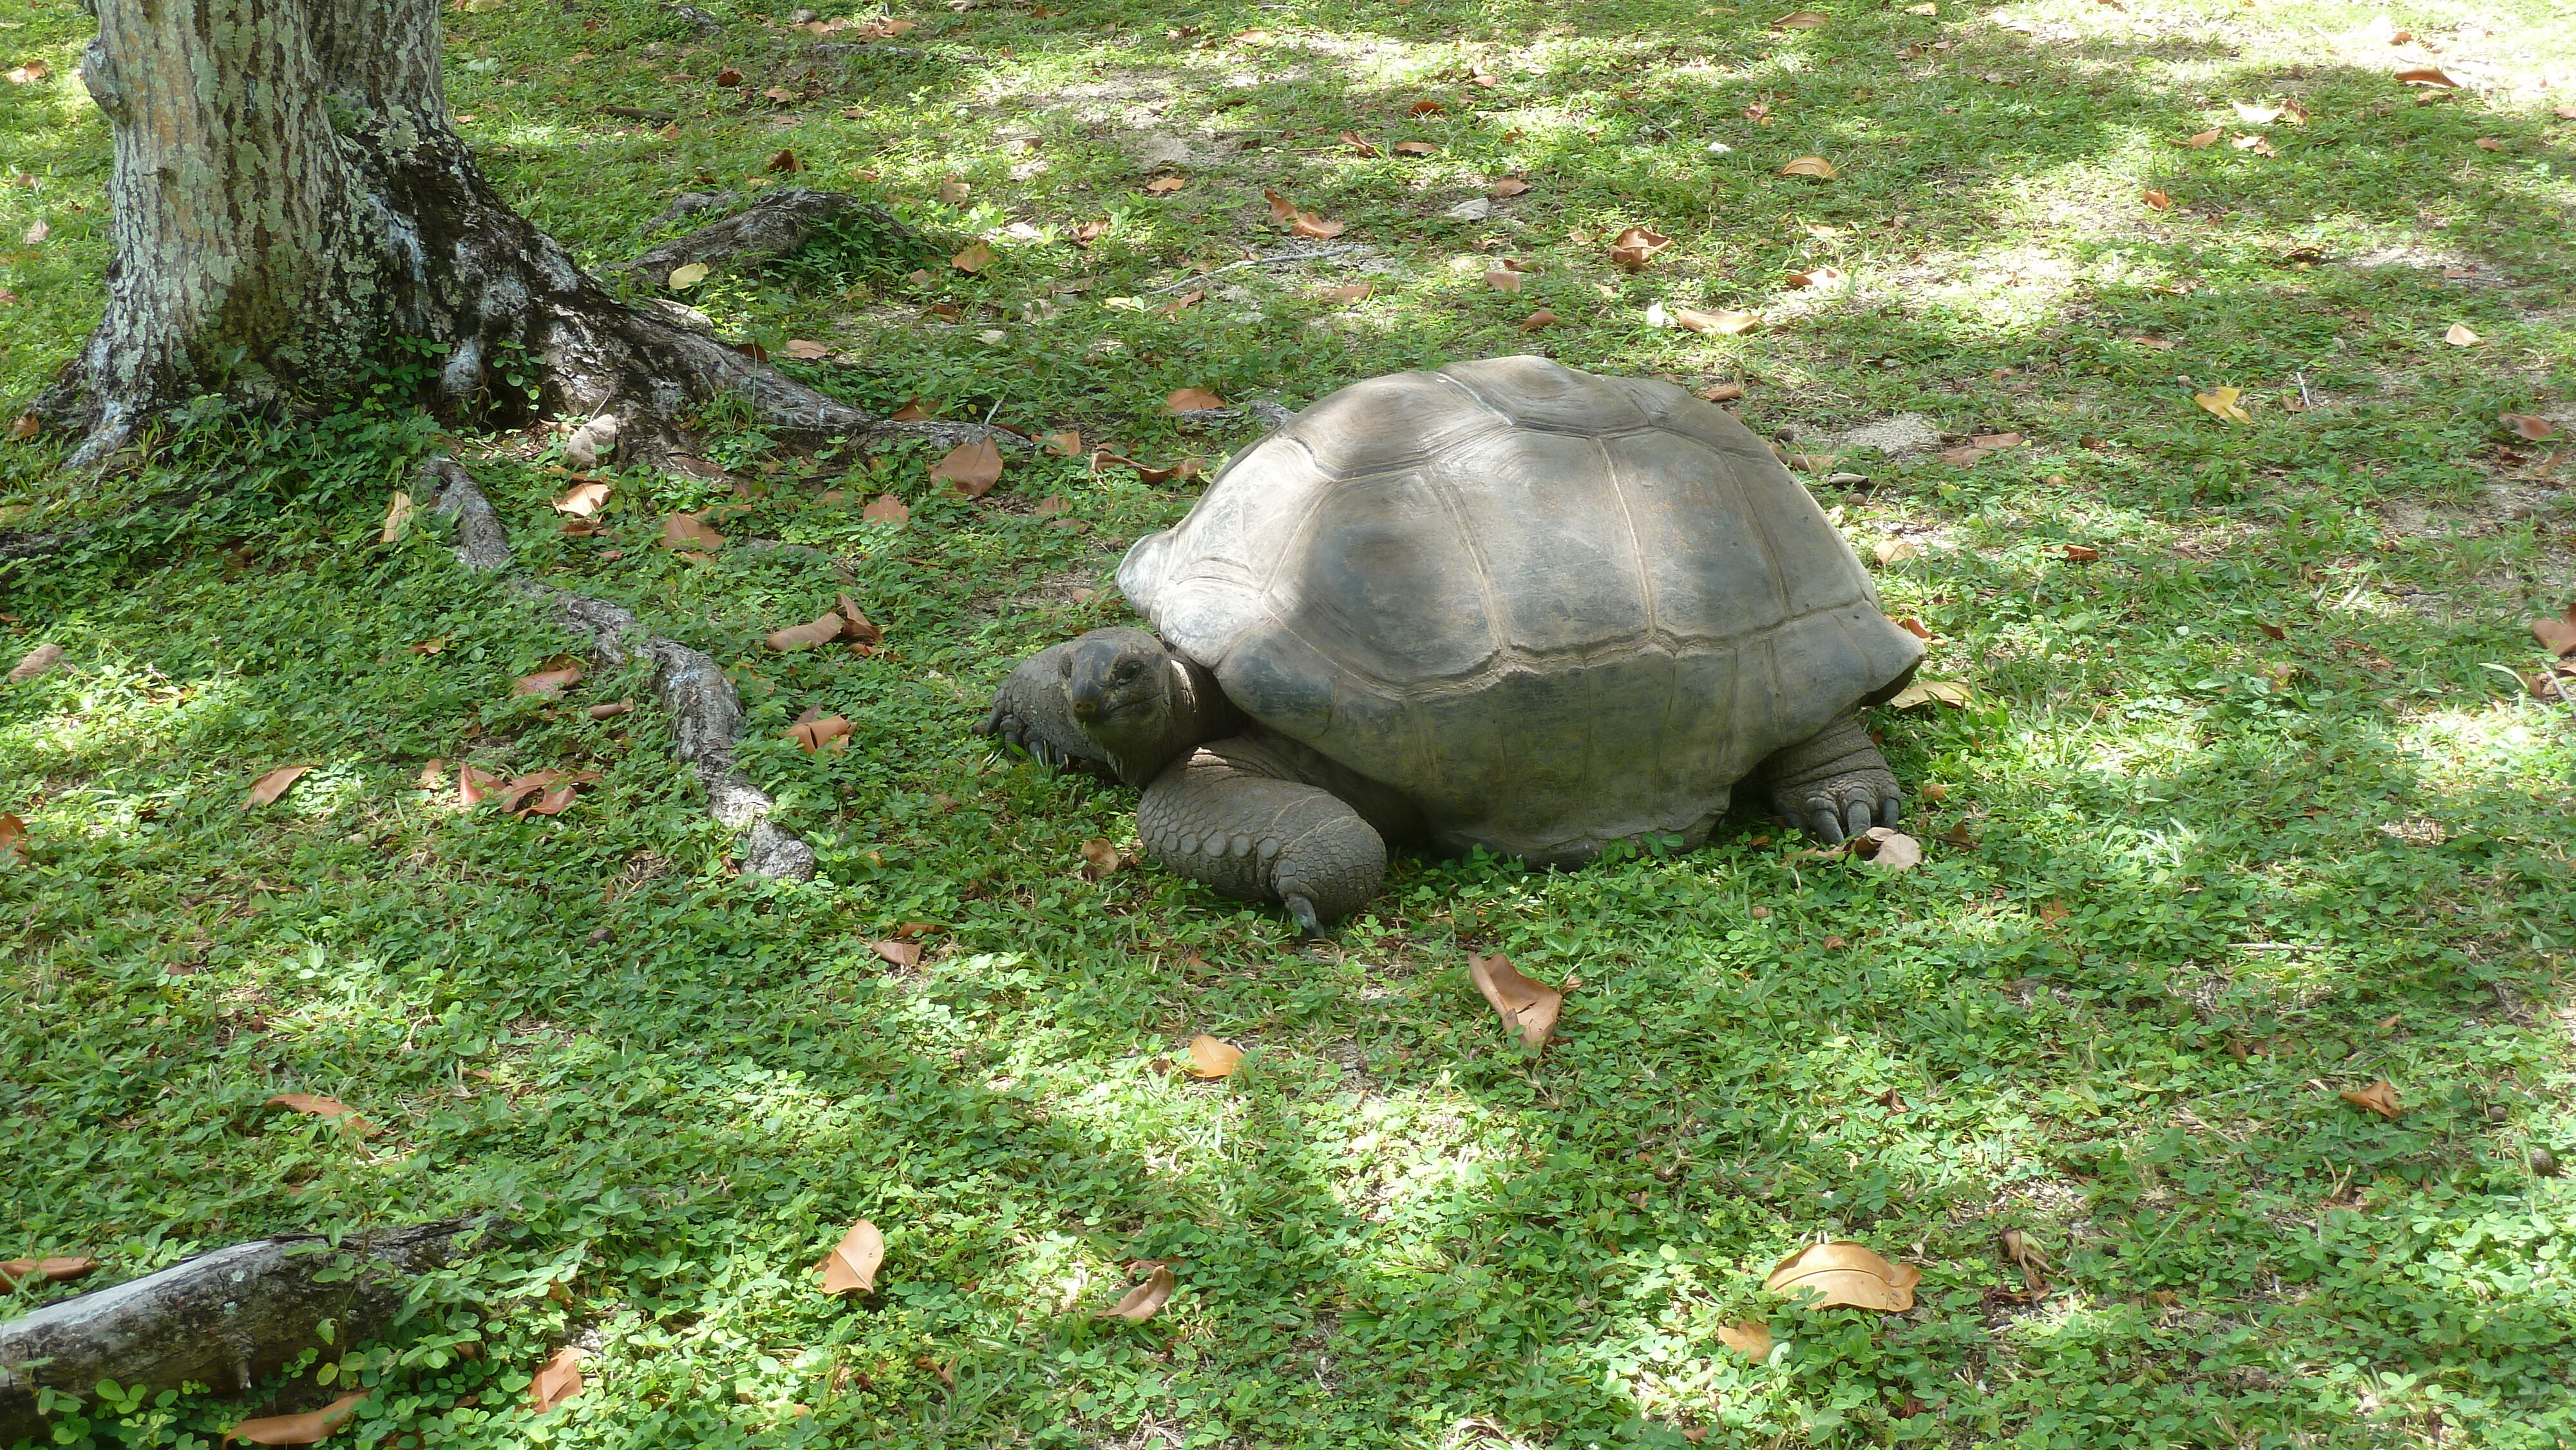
[[1505, 604]]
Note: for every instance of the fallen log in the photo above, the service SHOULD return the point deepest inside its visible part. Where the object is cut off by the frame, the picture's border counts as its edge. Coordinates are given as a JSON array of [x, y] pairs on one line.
[[223, 1319]]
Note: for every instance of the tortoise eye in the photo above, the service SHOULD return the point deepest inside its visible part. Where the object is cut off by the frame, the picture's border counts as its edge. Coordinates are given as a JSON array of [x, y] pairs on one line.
[[1127, 669]]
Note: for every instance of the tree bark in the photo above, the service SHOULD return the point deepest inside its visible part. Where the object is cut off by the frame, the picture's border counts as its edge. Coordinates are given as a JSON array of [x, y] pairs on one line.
[[290, 192]]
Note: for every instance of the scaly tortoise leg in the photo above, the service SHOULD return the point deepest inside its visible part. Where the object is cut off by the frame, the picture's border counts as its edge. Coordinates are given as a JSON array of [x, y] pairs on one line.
[[1255, 837], [1834, 784]]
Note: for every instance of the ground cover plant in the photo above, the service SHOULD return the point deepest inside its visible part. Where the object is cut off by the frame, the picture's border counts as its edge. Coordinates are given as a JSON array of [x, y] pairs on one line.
[[2251, 804]]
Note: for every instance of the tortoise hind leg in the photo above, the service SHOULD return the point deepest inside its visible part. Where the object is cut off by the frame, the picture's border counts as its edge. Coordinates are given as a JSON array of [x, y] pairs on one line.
[[1833, 784], [1216, 816]]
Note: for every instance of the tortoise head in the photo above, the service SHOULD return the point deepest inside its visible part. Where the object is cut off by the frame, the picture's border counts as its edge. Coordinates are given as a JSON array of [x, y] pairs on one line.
[[1130, 696]]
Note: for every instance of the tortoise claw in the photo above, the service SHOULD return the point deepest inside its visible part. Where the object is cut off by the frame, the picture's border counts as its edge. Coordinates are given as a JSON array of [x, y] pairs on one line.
[[1856, 818], [1890, 810], [1823, 824], [1308, 923]]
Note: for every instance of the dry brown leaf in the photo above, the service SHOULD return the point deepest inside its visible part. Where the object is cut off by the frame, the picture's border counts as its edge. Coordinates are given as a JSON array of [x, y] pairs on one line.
[[585, 498], [1089, 232], [1748, 1337], [610, 710], [1634, 247], [886, 509], [272, 785], [1503, 279], [558, 1381], [1067, 444], [2489, 143], [1925, 692], [851, 1266], [1212, 1058], [2202, 139], [1815, 166], [1352, 140], [1425, 108], [1821, 277], [1846, 1273], [1916, 628], [2026, 1256], [2558, 636], [1413, 148], [1526, 1005], [1051, 505], [1889, 848], [2222, 403], [1100, 859], [805, 349], [54, 1271], [2378, 1098], [13, 840], [821, 630], [1896, 551], [783, 160], [1308, 224], [688, 531], [25, 426], [1192, 400], [1802, 20], [970, 468], [36, 662], [910, 412], [2157, 199], [827, 732], [2427, 76], [1164, 185], [2082, 553], [1351, 292], [1147, 1299], [327, 1109], [856, 627], [1509, 186], [30, 73], [1281, 208], [974, 259], [2529, 426], [310, 1428], [903, 954], [2461, 336], [2258, 145], [1537, 320], [1722, 392], [397, 517], [547, 684], [1727, 322]]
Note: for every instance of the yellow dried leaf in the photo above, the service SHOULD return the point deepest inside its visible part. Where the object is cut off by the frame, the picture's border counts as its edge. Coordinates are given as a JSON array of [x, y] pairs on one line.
[[1212, 1058], [1536, 320], [821, 630], [1164, 185], [886, 509], [1846, 1273], [2378, 1098], [584, 499], [1896, 551], [851, 1266], [1147, 1299], [1351, 292], [1815, 166], [1801, 20], [1503, 280], [2222, 402], [1634, 247], [1888, 849], [1727, 322], [1192, 400], [1925, 692], [1747, 1337], [2461, 336], [684, 278], [2202, 139], [1528, 1006], [824, 732], [397, 517], [558, 1381], [328, 1109]]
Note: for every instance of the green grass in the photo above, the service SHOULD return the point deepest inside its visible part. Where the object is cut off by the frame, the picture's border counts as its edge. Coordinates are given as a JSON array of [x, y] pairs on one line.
[[2217, 876]]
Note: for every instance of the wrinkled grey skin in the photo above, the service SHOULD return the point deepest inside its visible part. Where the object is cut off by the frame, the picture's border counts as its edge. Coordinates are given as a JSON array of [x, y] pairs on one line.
[[1506, 605]]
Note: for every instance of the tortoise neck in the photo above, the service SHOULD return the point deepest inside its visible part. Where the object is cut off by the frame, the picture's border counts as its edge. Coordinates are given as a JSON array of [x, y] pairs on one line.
[[1195, 711]]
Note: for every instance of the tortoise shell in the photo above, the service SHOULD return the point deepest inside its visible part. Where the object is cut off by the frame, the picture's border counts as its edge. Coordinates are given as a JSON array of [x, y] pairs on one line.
[[1555, 609]]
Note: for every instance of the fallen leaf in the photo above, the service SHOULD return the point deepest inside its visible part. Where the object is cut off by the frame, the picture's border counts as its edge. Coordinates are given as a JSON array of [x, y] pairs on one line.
[[610, 710], [974, 259], [1089, 232], [1747, 1337], [821, 630], [1634, 247], [1897, 551], [2026, 1256], [805, 349], [1146, 1299], [1820, 277], [25, 426], [1958, 835], [15, 1272], [886, 509], [2222, 403], [547, 684], [1722, 392], [553, 803], [35, 662], [728, 77], [685, 277], [1527, 1005], [558, 1381], [1537, 320], [2253, 114], [851, 1266], [2160, 344], [1846, 1273], [473, 784], [1100, 859], [855, 624], [970, 468], [1892, 1100], [2489, 143], [1067, 444], [2200, 139], [584, 499], [2427, 76], [13, 840], [900, 953], [1413, 148], [2461, 336], [1351, 292], [1212, 1058], [954, 192], [1164, 185], [2558, 636], [2156, 199], [1353, 140], [2082, 553], [1425, 108], [1889, 848], [830, 732], [272, 785], [2258, 145], [1507, 187], [1927, 8], [783, 160], [2529, 426], [1801, 20], [911, 412], [1308, 224], [1184, 302], [688, 531], [1503, 280], [30, 73], [327, 1109], [1925, 692], [1815, 166], [1933, 791], [310, 1428], [1727, 323], [1192, 400], [2378, 1098]]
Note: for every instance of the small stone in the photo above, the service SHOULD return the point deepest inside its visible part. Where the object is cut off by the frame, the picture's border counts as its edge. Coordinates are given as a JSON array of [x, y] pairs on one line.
[[591, 442], [2544, 1164], [1720, 148], [1473, 209]]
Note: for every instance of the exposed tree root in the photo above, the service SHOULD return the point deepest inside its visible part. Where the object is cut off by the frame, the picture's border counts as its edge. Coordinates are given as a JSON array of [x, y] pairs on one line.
[[705, 712], [222, 1319], [778, 224]]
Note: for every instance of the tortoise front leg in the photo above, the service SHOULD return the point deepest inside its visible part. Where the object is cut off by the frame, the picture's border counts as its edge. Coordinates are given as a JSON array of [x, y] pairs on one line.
[[1214, 816], [1834, 783]]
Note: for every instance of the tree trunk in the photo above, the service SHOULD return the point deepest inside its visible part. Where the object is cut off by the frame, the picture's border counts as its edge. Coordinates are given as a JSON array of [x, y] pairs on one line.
[[290, 192]]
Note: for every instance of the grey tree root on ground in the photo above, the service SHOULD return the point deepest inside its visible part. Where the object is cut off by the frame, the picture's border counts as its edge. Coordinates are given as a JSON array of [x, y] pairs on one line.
[[691, 687], [222, 1319], [289, 190]]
